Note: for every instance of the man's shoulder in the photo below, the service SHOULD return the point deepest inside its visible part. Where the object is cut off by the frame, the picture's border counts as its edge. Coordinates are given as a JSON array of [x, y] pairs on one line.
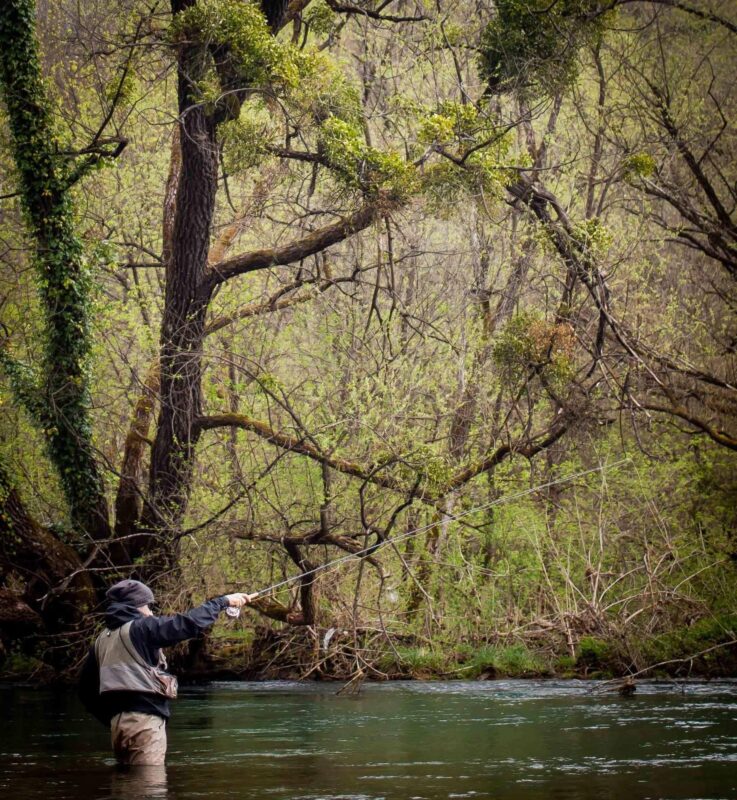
[[142, 634]]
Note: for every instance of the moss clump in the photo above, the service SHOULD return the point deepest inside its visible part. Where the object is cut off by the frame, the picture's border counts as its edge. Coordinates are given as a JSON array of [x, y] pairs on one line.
[[594, 657], [706, 645]]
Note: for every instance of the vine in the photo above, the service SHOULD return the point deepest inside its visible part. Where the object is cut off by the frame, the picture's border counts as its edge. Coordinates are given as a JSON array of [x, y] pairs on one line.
[[57, 396]]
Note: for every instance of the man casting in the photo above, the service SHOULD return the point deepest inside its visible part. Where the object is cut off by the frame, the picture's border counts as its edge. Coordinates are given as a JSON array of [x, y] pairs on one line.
[[124, 682]]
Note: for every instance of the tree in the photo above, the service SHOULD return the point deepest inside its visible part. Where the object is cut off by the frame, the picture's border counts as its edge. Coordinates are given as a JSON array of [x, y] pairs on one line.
[[377, 260]]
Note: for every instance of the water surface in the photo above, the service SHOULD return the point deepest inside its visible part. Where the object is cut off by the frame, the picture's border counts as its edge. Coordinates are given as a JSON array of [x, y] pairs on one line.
[[521, 740]]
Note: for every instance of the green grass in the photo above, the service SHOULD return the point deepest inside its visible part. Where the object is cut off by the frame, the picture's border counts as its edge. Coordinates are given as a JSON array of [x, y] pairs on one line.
[[422, 661], [511, 661]]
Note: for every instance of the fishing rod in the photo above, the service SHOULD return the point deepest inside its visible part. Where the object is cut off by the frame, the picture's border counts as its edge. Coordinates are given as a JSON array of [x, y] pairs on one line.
[[235, 612]]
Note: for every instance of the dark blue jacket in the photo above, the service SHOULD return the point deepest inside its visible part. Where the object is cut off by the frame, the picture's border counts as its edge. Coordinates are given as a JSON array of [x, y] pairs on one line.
[[148, 635]]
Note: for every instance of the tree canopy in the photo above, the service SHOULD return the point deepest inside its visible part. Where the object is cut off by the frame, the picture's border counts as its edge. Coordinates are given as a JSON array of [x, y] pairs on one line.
[[282, 281]]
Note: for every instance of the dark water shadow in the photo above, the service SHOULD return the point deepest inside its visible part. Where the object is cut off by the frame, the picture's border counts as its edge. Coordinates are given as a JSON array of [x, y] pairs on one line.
[[138, 783]]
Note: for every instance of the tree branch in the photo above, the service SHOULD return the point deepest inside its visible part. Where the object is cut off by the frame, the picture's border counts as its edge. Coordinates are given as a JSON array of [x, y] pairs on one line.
[[350, 8], [313, 243], [277, 301], [300, 446], [370, 473], [677, 410], [535, 445]]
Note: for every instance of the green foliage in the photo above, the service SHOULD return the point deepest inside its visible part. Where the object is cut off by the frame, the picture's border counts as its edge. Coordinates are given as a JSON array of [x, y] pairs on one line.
[[465, 661], [711, 641], [477, 155], [323, 92], [244, 139], [529, 344], [453, 124], [565, 666], [593, 653], [638, 165], [240, 37], [322, 20], [513, 661], [434, 466], [26, 388], [449, 189], [592, 238], [58, 397], [533, 45], [123, 91], [362, 167], [240, 30], [18, 665], [420, 661]]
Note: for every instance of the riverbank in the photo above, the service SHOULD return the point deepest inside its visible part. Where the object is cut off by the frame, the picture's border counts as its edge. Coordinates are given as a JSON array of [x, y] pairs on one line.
[[706, 649]]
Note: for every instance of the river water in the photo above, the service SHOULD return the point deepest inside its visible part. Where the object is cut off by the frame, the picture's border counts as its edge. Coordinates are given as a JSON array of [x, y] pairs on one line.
[[521, 740]]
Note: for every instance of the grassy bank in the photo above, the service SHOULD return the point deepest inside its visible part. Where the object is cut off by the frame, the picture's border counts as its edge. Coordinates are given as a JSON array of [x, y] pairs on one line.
[[705, 649]]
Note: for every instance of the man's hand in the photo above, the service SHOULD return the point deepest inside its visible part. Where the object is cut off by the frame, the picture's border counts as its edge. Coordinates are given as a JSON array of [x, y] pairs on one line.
[[240, 599]]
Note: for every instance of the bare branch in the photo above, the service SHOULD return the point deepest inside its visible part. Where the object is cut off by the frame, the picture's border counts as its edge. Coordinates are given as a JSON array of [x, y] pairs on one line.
[[302, 248]]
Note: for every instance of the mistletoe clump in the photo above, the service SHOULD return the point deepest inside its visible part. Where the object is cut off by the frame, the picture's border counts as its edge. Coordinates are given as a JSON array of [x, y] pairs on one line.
[[532, 45], [242, 50], [530, 344], [475, 155], [363, 167]]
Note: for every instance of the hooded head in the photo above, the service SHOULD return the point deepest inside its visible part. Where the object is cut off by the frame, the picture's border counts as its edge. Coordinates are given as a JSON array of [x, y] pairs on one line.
[[125, 598]]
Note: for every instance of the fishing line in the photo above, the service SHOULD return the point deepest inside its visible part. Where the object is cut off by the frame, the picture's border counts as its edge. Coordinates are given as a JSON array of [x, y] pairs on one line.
[[234, 612]]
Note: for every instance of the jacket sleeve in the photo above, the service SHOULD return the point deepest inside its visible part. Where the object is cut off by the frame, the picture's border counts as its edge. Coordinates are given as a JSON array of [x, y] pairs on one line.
[[163, 631], [89, 688]]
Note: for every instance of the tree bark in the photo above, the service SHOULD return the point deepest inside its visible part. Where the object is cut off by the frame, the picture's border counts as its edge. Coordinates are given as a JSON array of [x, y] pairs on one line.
[[183, 324], [55, 584]]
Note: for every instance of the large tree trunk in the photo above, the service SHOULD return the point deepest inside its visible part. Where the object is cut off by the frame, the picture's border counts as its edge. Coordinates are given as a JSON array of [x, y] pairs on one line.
[[182, 332], [48, 575]]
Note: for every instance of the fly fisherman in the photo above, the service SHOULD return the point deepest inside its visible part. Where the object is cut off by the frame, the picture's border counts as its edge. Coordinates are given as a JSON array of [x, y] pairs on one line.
[[123, 681]]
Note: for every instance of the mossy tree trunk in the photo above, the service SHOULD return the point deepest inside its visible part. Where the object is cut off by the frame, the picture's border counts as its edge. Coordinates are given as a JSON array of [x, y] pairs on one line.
[[56, 392]]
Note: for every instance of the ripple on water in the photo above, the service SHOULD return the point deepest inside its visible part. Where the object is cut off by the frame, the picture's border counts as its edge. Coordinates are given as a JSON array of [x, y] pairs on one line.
[[339, 797], [510, 740], [513, 689]]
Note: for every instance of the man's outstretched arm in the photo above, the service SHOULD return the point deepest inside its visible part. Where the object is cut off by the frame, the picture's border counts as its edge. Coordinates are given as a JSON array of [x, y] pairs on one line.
[[167, 630]]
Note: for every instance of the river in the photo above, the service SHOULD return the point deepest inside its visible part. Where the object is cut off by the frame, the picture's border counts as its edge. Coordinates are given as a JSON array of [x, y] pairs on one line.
[[506, 740]]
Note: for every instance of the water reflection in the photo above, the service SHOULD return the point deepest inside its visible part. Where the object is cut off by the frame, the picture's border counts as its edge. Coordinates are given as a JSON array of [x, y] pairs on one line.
[[138, 783], [487, 741]]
